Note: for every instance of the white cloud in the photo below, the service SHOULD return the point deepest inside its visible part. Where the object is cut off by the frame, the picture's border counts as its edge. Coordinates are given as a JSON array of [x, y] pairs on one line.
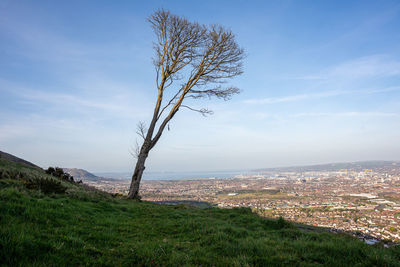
[[346, 114], [373, 66], [293, 98], [323, 94], [344, 75], [308, 78], [112, 105], [117, 101], [365, 67]]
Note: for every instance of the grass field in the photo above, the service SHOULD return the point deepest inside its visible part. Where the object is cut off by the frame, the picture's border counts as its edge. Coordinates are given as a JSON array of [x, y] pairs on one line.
[[87, 227]]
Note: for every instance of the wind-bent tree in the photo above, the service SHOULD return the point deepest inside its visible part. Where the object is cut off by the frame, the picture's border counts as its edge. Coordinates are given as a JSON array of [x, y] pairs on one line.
[[201, 59]]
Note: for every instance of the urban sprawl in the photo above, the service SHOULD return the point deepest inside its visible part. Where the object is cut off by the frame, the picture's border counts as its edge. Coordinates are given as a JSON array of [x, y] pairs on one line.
[[365, 201]]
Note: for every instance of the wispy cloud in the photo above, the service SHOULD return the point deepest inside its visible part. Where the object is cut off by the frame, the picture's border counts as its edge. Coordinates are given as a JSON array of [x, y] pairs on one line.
[[308, 78], [33, 40], [39, 43], [373, 66], [300, 97], [337, 78], [292, 98], [346, 114], [110, 105], [370, 66], [117, 102]]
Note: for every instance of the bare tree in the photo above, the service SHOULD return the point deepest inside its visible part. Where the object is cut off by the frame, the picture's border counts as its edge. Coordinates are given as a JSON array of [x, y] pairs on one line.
[[201, 59]]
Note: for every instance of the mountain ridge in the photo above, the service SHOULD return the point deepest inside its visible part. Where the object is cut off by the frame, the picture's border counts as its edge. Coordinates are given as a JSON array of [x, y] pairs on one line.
[[81, 174], [355, 165]]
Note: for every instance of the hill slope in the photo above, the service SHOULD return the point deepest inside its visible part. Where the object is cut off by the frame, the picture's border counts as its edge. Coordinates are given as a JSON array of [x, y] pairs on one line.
[[86, 227], [80, 174], [12, 158]]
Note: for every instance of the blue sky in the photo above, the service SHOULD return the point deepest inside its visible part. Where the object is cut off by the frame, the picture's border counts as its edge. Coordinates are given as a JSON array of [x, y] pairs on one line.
[[321, 84]]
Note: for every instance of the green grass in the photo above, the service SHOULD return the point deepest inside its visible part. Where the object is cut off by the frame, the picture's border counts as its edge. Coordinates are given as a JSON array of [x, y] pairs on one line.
[[82, 227]]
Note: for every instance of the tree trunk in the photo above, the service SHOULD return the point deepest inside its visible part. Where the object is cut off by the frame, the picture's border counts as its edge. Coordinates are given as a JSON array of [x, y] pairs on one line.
[[137, 174]]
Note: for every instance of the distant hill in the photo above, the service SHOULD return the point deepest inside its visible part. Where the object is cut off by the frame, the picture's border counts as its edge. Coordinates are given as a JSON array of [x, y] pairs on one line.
[[15, 159], [357, 166], [80, 174]]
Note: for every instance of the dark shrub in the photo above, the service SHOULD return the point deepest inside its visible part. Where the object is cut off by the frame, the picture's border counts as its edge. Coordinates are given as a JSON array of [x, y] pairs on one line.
[[59, 173], [46, 185], [282, 223], [242, 210], [4, 174], [50, 170], [67, 177]]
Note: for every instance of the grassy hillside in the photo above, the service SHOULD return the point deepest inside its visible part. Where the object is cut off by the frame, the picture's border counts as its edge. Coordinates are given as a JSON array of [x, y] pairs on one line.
[[12, 158], [83, 227]]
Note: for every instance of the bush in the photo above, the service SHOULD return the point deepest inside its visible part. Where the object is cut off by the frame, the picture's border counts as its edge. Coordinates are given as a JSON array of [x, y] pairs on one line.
[[59, 173], [31, 181], [12, 174], [282, 223], [67, 177], [4, 174], [243, 210], [46, 185], [50, 170]]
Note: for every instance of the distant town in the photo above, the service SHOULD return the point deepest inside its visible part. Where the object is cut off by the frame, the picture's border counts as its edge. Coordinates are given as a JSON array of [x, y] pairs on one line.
[[362, 198]]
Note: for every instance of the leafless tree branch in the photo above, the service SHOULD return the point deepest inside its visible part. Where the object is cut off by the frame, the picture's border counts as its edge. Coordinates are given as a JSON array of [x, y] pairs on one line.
[[134, 151], [202, 111], [141, 129], [203, 57]]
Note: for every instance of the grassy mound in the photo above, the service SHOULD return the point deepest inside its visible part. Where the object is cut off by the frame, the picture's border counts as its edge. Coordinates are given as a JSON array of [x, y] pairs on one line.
[[78, 226]]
